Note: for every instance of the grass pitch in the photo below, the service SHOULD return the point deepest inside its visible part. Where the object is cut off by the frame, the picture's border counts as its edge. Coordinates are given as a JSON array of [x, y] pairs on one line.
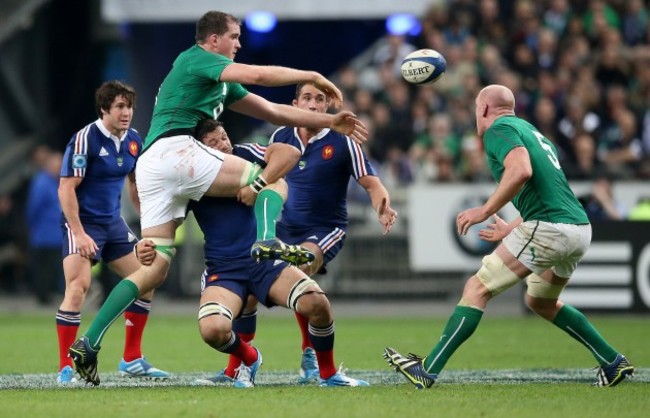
[[512, 367]]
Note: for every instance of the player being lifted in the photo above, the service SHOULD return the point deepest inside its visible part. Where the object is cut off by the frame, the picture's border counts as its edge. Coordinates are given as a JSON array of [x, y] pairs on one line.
[[176, 168]]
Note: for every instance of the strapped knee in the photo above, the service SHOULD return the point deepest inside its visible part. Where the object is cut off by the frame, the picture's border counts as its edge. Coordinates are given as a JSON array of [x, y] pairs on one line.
[[214, 308], [300, 289], [164, 247], [252, 177], [495, 275], [540, 288]]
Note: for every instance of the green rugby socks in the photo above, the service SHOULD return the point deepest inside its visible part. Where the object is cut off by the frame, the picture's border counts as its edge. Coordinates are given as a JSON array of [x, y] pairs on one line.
[[267, 210], [574, 323], [123, 295], [460, 326]]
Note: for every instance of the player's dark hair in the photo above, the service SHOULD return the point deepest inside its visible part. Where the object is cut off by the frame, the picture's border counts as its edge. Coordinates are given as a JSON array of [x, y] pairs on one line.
[[213, 22], [204, 127], [108, 91]]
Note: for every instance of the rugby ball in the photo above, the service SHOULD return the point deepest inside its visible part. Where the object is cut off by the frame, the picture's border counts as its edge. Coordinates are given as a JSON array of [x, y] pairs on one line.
[[424, 66]]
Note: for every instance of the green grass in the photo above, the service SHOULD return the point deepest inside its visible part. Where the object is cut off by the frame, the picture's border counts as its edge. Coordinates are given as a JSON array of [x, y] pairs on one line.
[[467, 388]]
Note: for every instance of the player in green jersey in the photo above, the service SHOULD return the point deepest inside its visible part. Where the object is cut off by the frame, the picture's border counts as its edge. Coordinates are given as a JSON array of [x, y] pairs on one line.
[[543, 246], [175, 168]]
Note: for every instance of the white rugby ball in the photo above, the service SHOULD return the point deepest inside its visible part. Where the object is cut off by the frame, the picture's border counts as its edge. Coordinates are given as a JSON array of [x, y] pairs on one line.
[[424, 66]]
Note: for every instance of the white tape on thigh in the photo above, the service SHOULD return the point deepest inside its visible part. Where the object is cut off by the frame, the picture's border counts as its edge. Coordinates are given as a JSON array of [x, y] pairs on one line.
[[540, 288], [164, 247], [214, 308], [495, 275], [299, 289]]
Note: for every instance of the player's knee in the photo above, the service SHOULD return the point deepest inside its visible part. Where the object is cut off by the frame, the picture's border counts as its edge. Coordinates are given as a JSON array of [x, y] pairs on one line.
[[165, 248], [306, 295], [215, 323], [316, 307], [280, 187], [542, 296], [495, 275]]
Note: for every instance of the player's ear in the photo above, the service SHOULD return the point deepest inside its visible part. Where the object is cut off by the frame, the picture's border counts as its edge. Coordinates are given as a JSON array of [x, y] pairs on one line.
[[485, 111]]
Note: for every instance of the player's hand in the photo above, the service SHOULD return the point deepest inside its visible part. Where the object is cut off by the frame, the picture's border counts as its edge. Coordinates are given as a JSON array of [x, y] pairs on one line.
[[348, 124], [145, 251], [469, 217], [495, 232], [247, 196], [387, 215], [333, 93], [86, 246]]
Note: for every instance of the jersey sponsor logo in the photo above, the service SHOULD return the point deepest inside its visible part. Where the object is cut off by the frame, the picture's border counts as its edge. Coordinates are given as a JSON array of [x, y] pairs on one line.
[[302, 165], [120, 161], [328, 152], [212, 278], [79, 161], [103, 152], [133, 148]]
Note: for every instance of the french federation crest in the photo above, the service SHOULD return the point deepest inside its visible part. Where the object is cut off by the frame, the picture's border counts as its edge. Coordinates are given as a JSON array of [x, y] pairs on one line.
[[133, 148], [328, 152]]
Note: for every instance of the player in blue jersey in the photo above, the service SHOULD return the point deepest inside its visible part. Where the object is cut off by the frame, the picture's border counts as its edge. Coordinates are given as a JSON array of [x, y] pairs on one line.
[[229, 229], [97, 160], [315, 214], [176, 168]]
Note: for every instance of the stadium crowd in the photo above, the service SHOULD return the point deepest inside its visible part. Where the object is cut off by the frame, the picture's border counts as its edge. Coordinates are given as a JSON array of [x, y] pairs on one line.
[[579, 69]]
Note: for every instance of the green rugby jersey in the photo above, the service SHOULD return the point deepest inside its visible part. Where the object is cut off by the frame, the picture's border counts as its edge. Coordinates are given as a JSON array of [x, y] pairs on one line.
[[546, 196], [192, 92]]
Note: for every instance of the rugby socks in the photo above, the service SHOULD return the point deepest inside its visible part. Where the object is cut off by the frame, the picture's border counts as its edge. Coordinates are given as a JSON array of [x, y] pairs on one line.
[[240, 349], [245, 327], [135, 318], [460, 326], [67, 325], [267, 210], [323, 341], [574, 323], [303, 324], [123, 294]]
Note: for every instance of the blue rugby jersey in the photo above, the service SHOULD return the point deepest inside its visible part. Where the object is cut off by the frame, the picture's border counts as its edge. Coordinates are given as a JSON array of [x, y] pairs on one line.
[[228, 226], [318, 184], [93, 155]]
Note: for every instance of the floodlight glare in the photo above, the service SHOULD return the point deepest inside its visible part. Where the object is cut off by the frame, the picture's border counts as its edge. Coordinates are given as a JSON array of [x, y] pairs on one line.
[[262, 22]]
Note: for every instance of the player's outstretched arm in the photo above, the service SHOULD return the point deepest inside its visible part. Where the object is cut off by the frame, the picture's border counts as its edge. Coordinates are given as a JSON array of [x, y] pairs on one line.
[[275, 76], [258, 107]]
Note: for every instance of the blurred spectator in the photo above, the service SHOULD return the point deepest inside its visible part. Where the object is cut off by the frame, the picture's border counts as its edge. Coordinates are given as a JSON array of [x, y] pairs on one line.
[[557, 16], [621, 148], [584, 164], [635, 22], [601, 204], [392, 51], [43, 216]]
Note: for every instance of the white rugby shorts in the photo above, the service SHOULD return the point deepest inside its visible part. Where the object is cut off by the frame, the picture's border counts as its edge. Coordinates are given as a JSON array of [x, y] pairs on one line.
[[169, 173], [543, 245]]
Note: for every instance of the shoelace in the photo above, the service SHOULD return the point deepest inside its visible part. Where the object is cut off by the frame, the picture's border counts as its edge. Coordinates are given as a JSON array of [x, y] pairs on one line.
[[243, 373]]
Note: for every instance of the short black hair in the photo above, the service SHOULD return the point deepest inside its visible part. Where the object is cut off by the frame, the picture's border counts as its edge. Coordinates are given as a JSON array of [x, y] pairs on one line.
[[204, 127], [213, 22]]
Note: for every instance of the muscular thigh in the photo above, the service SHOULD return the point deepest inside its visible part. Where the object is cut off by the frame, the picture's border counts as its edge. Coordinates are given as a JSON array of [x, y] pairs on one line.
[[541, 246], [234, 174], [170, 173]]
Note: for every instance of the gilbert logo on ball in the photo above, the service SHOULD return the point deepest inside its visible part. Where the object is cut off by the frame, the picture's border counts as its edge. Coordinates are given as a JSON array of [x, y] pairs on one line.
[[424, 66]]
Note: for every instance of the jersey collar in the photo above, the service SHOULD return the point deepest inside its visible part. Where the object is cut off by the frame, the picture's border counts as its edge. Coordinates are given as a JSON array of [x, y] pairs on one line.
[[109, 135], [313, 139]]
